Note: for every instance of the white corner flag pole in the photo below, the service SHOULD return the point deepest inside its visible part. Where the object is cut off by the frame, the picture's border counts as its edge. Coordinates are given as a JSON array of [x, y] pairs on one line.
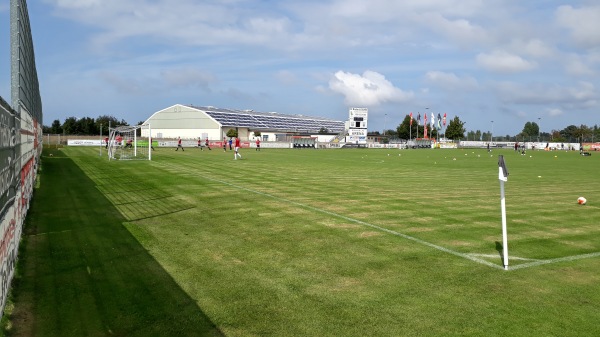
[[503, 177]]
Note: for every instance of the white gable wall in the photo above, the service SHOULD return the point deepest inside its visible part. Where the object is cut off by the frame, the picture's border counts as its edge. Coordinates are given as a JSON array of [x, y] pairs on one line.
[[185, 122]]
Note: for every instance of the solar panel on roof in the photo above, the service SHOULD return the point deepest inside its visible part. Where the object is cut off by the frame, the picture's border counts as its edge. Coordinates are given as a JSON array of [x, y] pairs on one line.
[[258, 120]]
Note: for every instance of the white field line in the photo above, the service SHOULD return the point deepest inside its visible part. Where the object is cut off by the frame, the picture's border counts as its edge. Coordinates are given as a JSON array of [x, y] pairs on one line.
[[500, 257], [560, 259], [471, 257]]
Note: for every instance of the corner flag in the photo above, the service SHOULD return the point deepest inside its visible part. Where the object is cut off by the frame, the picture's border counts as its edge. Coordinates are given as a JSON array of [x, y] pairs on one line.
[[503, 177]]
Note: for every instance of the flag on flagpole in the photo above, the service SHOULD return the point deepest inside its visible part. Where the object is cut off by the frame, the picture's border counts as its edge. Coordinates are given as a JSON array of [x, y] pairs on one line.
[[419, 119], [439, 122], [432, 121], [411, 118], [444, 119]]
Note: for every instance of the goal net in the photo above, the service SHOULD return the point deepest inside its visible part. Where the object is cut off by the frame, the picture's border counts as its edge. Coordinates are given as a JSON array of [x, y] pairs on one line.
[[126, 143]]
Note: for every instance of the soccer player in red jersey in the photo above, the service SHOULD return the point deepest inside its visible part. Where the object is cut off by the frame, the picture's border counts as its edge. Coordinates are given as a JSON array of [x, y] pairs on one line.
[[237, 148], [179, 145]]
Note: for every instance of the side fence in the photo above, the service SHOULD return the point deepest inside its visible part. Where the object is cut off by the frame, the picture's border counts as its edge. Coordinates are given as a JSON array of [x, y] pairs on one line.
[[20, 150]]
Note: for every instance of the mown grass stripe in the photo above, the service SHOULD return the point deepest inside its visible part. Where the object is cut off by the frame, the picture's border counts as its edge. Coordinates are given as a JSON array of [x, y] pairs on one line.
[[389, 231]]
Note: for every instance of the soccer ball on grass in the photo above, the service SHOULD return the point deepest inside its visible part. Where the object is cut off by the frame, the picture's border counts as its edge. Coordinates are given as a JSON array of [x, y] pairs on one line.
[[581, 200]]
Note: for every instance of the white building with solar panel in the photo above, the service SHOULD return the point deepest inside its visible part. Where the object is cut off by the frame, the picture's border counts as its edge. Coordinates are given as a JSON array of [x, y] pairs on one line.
[[191, 122]]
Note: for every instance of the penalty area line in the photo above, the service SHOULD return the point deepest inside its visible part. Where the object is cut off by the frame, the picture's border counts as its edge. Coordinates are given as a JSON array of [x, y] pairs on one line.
[[500, 257], [389, 231]]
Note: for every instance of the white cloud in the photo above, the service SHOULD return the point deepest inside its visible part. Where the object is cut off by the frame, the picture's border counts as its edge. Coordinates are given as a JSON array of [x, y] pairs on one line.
[[504, 62], [554, 112], [533, 47], [584, 24], [279, 25], [586, 91], [451, 81], [188, 22], [388, 22], [187, 77], [77, 3], [384, 10], [576, 66], [368, 89], [462, 31], [582, 95]]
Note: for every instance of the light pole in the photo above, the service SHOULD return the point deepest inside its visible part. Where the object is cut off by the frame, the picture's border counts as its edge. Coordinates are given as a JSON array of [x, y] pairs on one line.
[[492, 134], [384, 123], [539, 128]]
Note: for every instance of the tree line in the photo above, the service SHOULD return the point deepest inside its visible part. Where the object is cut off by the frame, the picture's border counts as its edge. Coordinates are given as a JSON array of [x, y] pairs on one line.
[[85, 126], [455, 130]]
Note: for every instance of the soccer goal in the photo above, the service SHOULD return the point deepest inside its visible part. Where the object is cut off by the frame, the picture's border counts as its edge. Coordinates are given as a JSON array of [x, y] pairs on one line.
[[126, 143]]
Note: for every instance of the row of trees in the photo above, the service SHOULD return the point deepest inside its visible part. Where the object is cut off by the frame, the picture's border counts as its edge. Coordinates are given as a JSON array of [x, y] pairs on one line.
[[531, 133], [84, 126], [455, 129]]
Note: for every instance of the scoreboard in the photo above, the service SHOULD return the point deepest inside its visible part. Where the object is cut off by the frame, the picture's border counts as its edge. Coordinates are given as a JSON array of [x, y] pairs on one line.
[[357, 125], [358, 118]]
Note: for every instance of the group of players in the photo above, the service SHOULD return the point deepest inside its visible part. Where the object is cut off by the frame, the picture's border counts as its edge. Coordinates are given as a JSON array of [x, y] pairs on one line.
[[225, 142], [119, 142]]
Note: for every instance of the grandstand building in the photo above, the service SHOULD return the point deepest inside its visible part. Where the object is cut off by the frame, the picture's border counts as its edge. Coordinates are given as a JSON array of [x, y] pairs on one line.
[[191, 122]]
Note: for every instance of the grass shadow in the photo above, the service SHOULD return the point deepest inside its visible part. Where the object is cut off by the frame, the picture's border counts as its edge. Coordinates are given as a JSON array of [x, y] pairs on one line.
[[500, 250], [83, 273]]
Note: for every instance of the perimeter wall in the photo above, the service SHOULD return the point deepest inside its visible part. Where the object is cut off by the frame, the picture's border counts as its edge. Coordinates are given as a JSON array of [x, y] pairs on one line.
[[19, 158], [20, 143]]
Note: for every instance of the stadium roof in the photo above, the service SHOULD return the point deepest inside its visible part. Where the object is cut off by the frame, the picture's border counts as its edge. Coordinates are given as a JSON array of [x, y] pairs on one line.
[[271, 120]]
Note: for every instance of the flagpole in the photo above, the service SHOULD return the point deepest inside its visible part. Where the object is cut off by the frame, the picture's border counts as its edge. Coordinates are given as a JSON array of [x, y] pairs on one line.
[[504, 230], [418, 124]]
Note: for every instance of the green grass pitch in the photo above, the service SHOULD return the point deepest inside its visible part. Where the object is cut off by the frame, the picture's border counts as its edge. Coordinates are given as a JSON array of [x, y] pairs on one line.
[[357, 242]]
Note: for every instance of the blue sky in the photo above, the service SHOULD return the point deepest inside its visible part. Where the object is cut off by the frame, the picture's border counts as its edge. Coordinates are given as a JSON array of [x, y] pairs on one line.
[[496, 60]]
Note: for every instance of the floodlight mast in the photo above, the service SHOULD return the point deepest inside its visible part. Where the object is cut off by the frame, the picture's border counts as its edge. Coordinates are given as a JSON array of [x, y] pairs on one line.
[[503, 177], [150, 148]]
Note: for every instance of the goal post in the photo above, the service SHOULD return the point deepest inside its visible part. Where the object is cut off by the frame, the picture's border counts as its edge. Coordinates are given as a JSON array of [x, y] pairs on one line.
[[129, 143]]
